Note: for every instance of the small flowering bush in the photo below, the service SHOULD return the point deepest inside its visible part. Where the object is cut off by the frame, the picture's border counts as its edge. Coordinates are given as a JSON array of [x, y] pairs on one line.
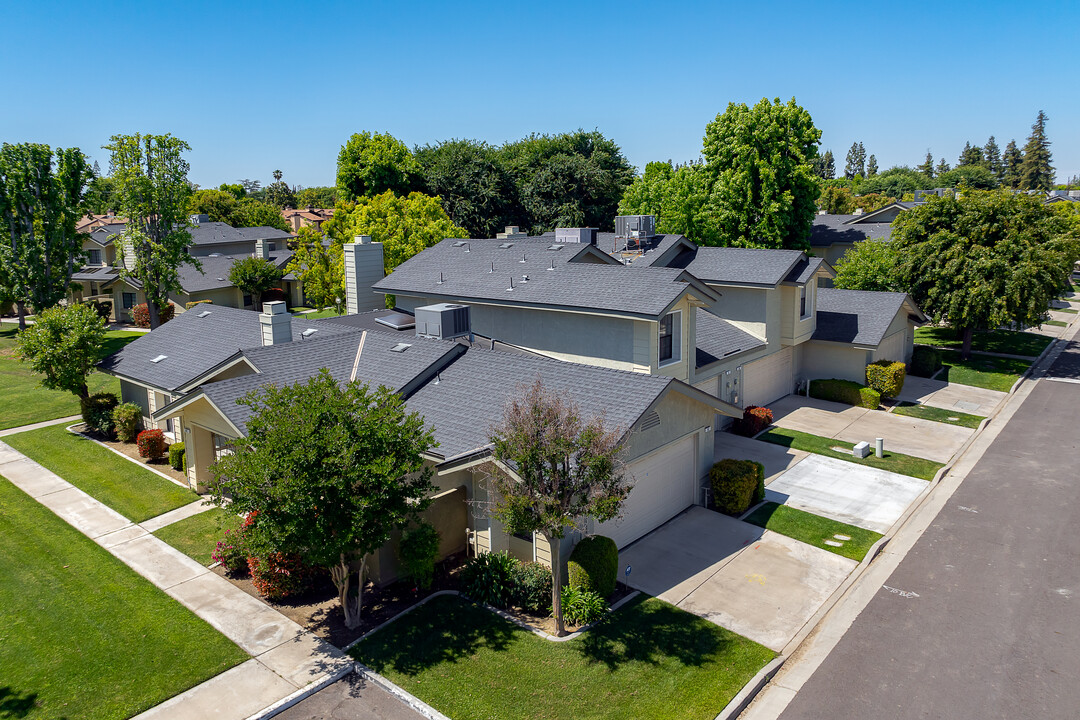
[[754, 420], [140, 315], [230, 551], [279, 575], [152, 444]]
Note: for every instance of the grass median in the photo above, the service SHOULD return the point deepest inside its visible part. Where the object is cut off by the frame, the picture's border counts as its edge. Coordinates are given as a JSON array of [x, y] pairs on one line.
[[197, 535], [1000, 341], [814, 530], [893, 461], [949, 417], [985, 371]]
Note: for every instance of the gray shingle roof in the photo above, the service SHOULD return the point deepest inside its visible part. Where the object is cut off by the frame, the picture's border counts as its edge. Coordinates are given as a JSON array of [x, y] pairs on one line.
[[738, 266], [215, 270], [830, 229], [717, 338], [93, 273], [859, 317], [454, 273], [192, 345], [804, 270], [215, 233]]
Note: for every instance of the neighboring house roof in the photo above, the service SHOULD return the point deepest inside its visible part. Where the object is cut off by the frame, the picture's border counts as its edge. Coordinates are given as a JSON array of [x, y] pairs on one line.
[[859, 317], [217, 233], [738, 266], [804, 270], [192, 345], [215, 270], [485, 270], [717, 338], [96, 274], [889, 211], [314, 214], [832, 229]]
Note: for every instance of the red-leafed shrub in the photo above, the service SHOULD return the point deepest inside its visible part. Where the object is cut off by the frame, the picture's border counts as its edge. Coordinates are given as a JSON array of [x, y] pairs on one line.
[[140, 315], [279, 575], [754, 420], [274, 295], [152, 444]]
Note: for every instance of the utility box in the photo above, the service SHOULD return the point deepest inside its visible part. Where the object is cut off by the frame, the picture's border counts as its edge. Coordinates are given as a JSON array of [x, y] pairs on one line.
[[586, 236], [862, 449], [443, 321]]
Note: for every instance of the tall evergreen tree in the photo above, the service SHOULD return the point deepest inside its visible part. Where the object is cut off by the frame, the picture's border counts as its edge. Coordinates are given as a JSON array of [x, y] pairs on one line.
[[942, 167], [1036, 172], [856, 161], [825, 166], [927, 168], [871, 167], [992, 158], [971, 155], [1010, 165]]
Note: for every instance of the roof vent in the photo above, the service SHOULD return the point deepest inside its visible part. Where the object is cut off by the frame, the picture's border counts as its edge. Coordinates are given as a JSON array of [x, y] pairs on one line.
[[400, 347], [555, 247], [505, 246], [650, 420], [214, 255], [397, 321], [159, 358], [522, 258], [204, 313], [309, 332], [221, 279]]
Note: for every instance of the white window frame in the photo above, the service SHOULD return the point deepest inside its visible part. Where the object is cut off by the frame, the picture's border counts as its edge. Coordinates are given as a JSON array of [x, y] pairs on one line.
[[804, 302], [676, 339]]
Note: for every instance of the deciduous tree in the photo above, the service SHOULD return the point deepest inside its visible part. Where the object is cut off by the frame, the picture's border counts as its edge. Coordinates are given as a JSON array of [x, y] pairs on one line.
[[321, 267], [372, 164], [476, 190], [62, 346], [316, 197], [552, 469], [153, 192], [677, 197], [254, 276], [869, 265], [41, 199], [331, 469], [279, 194]]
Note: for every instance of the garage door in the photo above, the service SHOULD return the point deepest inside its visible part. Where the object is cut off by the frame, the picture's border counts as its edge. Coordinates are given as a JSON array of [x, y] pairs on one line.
[[768, 379], [665, 484], [893, 347]]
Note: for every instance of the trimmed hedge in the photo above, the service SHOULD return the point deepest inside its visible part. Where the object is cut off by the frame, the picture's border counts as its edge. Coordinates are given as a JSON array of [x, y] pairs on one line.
[[193, 303], [594, 565], [418, 551], [845, 391], [97, 412], [177, 457], [126, 419], [925, 361], [140, 315], [151, 444], [736, 485], [754, 420], [887, 377]]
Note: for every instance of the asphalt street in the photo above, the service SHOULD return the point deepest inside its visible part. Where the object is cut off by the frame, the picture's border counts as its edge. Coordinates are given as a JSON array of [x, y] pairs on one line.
[[982, 617]]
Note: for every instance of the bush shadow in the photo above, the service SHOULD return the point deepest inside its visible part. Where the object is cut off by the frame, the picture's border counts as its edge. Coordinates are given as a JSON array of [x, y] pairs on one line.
[[16, 703]]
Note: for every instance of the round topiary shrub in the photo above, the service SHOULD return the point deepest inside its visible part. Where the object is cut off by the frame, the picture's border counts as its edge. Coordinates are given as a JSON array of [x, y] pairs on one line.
[[151, 444], [736, 485], [886, 376], [177, 458], [594, 565]]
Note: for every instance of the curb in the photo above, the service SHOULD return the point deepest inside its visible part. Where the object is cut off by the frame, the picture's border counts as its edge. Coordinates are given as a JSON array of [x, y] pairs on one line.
[[751, 689], [174, 481], [303, 693], [408, 698]]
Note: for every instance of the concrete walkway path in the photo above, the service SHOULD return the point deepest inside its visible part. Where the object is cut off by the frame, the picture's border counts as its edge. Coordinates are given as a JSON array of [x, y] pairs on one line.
[[37, 426], [181, 513], [286, 659]]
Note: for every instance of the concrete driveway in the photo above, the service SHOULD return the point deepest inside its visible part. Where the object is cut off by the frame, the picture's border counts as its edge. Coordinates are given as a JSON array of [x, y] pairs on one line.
[[755, 582], [776, 458], [853, 494], [910, 436], [951, 396]]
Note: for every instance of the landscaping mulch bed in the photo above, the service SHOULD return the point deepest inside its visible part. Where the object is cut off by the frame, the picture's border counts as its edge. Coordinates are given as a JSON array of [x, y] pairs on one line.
[[547, 623], [131, 450]]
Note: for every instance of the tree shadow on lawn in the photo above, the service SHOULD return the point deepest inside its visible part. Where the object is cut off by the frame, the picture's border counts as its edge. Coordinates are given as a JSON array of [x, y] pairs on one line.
[[15, 703], [445, 629], [652, 631]]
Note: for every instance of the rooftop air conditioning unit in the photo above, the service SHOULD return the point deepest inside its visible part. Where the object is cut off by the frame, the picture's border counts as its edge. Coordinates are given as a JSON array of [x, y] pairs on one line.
[[637, 227], [443, 321], [576, 235]]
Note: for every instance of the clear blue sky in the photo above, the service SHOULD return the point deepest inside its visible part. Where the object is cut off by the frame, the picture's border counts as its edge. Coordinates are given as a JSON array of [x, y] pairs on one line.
[[258, 86]]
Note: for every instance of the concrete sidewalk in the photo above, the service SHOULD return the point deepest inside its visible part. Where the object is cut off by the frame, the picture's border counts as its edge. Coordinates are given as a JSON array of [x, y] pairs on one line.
[[37, 426], [286, 659]]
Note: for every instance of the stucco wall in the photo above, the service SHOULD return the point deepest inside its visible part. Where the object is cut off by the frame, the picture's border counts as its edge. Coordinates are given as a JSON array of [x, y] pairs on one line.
[[679, 416], [824, 360]]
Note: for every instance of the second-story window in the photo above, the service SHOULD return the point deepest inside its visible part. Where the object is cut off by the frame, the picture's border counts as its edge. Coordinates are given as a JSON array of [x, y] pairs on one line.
[[95, 257], [802, 301], [669, 338]]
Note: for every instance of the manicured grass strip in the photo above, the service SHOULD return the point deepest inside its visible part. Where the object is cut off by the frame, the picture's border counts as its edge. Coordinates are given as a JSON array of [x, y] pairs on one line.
[[814, 529], [23, 401], [649, 660], [1069, 310], [893, 461], [197, 535], [1001, 341], [319, 314], [133, 491], [951, 417], [992, 373], [1055, 323], [81, 634]]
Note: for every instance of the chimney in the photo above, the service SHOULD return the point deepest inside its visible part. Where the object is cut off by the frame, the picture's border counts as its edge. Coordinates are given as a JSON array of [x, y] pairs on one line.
[[276, 323], [511, 233], [262, 249], [363, 268], [858, 211]]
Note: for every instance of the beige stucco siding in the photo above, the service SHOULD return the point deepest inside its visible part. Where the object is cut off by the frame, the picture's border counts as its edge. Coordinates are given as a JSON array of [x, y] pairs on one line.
[[679, 417], [746, 308], [825, 360]]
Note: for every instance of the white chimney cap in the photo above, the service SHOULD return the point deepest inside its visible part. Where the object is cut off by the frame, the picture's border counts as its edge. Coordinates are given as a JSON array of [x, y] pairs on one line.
[[362, 239], [275, 307]]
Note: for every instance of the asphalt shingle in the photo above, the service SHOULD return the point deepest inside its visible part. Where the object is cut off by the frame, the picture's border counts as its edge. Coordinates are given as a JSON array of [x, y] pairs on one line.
[[738, 266], [717, 338], [859, 317], [830, 229]]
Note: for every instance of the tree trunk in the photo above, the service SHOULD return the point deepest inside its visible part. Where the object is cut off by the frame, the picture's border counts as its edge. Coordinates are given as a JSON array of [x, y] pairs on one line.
[[965, 349], [556, 585], [22, 314], [152, 311], [341, 576]]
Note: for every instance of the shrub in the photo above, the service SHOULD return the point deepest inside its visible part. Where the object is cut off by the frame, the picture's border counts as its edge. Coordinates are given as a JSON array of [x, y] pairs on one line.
[[532, 587], [845, 391], [97, 412], [887, 377], [140, 315], [754, 420], [489, 578], [177, 457], [126, 420], [231, 551], [193, 303], [273, 295], [151, 443], [736, 485], [594, 565], [581, 606], [925, 361], [418, 550], [277, 575], [103, 308]]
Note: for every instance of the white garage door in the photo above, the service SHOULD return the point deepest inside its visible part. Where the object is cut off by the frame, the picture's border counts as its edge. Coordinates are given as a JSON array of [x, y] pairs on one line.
[[768, 379], [893, 347], [665, 484]]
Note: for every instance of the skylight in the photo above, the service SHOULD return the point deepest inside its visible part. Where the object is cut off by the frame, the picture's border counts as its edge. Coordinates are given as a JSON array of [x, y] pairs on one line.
[[506, 246], [159, 358], [401, 347], [204, 313], [555, 247], [460, 243], [309, 332]]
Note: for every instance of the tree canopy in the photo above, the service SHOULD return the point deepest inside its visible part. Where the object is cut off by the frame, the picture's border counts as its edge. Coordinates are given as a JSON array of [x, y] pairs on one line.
[[316, 197], [477, 191], [1036, 172], [223, 206], [677, 197], [254, 276], [321, 267], [869, 265], [41, 199], [372, 164], [62, 346], [331, 470]]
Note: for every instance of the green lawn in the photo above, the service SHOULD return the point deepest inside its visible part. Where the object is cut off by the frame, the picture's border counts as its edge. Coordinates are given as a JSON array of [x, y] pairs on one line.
[[1001, 341], [950, 417], [197, 535], [81, 634], [23, 401], [1065, 310], [893, 461], [985, 371], [1055, 323], [648, 660], [814, 529], [319, 314], [131, 490]]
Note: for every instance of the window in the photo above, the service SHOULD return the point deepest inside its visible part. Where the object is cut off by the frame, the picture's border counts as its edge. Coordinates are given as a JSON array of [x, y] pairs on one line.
[[95, 257], [247, 300], [221, 446], [129, 300], [670, 337], [802, 301]]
